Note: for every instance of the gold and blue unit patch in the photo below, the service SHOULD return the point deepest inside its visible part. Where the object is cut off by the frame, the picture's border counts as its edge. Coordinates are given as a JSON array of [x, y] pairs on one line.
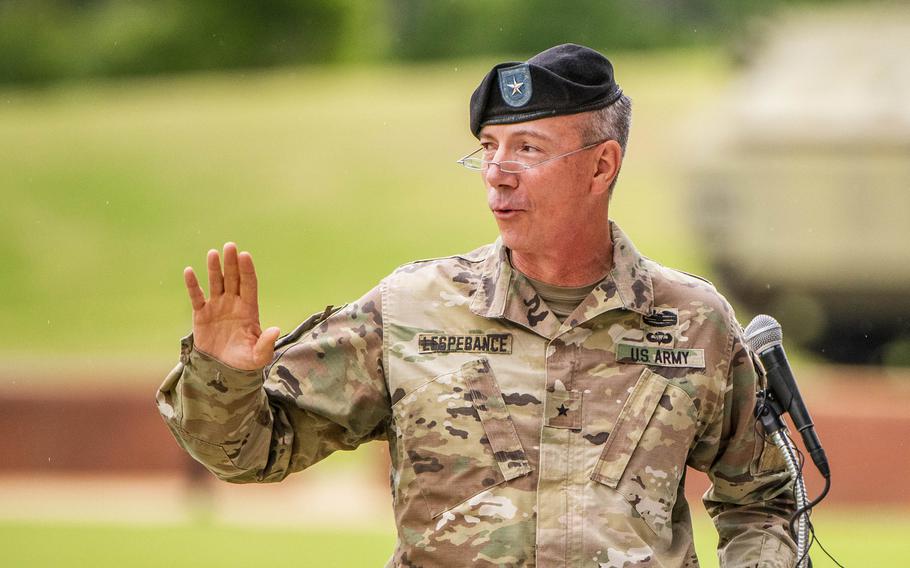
[[466, 343]]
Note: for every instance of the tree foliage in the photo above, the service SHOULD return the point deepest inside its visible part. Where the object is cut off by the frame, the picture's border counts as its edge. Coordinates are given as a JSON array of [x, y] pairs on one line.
[[48, 40]]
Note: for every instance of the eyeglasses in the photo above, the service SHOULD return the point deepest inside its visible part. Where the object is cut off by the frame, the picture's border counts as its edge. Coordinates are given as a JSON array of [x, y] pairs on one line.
[[473, 162]]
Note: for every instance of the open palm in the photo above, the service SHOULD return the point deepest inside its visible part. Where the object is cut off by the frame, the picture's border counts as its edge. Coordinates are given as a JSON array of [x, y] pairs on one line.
[[226, 324]]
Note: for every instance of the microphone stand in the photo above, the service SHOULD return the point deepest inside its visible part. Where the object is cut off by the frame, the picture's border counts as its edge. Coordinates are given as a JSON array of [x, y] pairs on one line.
[[769, 410]]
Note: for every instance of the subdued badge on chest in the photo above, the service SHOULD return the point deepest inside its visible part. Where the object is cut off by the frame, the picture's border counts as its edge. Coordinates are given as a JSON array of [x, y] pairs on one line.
[[660, 328], [496, 343]]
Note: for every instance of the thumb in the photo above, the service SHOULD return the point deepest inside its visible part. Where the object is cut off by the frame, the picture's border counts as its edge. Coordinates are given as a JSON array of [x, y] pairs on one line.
[[265, 346]]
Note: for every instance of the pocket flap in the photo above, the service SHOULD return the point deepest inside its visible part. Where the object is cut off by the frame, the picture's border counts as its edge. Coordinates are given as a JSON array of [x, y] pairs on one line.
[[497, 424], [629, 427]]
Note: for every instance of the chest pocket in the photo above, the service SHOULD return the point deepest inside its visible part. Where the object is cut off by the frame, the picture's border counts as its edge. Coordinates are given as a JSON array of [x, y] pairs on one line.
[[645, 455], [458, 436]]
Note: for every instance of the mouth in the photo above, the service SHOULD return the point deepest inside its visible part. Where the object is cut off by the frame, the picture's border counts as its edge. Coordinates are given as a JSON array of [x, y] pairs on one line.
[[506, 213]]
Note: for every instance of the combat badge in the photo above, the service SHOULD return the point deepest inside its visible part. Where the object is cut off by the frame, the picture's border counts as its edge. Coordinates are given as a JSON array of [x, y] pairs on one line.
[[466, 343], [661, 317]]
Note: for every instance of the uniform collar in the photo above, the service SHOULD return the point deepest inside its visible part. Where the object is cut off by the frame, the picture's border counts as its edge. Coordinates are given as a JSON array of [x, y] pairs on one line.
[[505, 293]]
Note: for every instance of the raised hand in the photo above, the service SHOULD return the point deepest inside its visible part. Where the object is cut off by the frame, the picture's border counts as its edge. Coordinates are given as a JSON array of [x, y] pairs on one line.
[[226, 325]]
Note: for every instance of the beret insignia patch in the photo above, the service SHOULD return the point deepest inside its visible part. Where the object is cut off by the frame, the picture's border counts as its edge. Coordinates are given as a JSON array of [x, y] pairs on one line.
[[515, 85]]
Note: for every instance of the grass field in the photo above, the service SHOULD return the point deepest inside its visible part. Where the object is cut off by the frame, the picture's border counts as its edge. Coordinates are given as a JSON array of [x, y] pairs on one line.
[[331, 178], [856, 540]]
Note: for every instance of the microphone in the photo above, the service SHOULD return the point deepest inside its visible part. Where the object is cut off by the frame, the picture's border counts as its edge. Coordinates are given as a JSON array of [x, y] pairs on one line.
[[764, 337]]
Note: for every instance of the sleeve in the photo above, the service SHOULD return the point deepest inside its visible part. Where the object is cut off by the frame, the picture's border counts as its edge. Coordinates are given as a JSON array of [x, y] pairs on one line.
[[325, 390], [750, 499]]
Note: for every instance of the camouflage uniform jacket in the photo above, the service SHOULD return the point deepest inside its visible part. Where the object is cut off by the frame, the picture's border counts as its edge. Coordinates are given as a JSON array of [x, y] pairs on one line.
[[515, 440]]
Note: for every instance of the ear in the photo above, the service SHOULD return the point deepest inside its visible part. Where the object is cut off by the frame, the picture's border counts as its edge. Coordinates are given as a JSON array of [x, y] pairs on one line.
[[607, 167]]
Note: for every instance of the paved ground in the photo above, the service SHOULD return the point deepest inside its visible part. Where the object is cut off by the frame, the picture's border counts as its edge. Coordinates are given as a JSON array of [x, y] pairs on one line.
[[338, 498], [863, 417]]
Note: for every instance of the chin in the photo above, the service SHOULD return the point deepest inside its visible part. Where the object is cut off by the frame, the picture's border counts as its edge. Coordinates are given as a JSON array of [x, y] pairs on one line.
[[514, 240]]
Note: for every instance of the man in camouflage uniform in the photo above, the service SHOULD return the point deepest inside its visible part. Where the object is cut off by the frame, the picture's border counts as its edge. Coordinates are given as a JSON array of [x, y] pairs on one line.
[[541, 396]]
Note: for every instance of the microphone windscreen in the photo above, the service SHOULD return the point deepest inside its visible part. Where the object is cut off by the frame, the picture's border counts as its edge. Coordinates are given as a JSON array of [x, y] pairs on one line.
[[763, 333]]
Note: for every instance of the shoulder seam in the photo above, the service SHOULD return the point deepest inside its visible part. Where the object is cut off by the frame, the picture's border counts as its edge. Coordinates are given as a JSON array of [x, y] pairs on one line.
[[696, 276], [462, 256]]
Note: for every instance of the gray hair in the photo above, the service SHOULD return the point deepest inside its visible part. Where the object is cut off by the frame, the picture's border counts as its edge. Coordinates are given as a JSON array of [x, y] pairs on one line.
[[609, 123]]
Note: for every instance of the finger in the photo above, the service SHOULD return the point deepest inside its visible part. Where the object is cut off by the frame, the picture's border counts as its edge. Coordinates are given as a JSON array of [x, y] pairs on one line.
[[231, 275], [248, 281], [216, 281], [197, 298], [265, 347]]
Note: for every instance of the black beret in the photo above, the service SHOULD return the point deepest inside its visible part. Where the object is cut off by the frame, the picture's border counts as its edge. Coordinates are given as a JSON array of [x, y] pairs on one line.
[[565, 79]]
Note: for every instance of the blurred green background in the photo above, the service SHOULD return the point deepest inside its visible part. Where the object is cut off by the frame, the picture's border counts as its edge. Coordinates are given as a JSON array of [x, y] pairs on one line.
[[321, 136], [877, 541], [330, 177]]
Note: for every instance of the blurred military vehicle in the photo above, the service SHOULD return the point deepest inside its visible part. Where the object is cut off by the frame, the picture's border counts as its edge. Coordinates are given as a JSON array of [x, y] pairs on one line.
[[801, 182]]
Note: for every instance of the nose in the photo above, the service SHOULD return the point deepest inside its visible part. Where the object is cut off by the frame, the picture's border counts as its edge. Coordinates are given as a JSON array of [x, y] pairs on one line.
[[495, 177]]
